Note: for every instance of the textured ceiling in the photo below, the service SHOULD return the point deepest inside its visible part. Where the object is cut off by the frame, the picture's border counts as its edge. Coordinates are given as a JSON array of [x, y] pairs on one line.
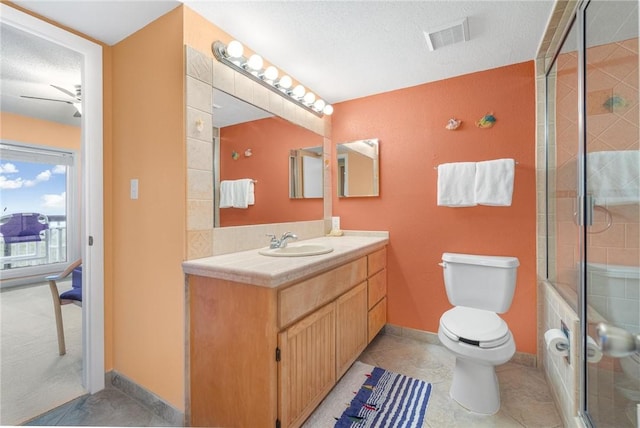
[[29, 66], [339, 49]]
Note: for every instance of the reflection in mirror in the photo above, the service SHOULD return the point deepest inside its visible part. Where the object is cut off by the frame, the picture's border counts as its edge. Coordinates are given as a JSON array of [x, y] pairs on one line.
[[305, 173], [358, 168], [254, 144]]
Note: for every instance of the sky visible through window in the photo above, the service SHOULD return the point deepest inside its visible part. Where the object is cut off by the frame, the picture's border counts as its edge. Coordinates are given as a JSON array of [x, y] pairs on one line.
[[32, 187]]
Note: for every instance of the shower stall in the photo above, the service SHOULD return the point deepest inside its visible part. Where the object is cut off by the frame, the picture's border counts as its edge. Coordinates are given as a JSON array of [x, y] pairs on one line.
[[592, 195]]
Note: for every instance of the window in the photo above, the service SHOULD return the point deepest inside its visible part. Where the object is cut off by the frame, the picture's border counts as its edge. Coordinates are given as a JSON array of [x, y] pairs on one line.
[[37, 211]]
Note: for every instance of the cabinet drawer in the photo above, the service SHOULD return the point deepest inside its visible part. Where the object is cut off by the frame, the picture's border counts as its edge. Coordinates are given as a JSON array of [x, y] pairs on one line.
[[377, 318], [377, 261], [306, 296], [377, 287]]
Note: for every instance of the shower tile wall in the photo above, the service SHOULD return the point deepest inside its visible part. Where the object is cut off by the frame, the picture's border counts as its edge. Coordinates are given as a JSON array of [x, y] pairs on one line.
[[562, 374], [613, 72]]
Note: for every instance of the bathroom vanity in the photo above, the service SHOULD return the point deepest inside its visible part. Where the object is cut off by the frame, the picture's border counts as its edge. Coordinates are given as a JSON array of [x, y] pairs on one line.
[[268, 337]]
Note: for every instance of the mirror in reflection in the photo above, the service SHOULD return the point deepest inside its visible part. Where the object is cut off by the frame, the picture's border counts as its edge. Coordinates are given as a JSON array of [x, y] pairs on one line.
[[305, 173], [253, 144], [358, 168]]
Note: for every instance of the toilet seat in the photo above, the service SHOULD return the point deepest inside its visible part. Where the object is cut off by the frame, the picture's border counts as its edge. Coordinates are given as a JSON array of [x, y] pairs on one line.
[[476, 327]]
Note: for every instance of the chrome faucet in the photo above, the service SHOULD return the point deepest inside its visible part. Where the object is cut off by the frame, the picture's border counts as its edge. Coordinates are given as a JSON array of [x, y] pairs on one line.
[[282, 242]]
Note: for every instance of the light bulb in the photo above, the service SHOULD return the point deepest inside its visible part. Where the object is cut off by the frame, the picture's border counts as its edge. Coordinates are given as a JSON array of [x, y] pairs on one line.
[[235, 49], [298, 91], [271, 73], [328, 109], [309, 98], [285, 82], [319, 104], [255, 62]]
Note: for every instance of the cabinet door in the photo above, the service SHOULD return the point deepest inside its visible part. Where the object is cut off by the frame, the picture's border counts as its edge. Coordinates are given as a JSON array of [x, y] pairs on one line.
[[307, 369], [351, 327], [377, 318]]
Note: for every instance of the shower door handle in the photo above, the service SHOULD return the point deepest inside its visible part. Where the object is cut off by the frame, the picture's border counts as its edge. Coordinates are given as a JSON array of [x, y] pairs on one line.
[[617, 342], [585, 210]]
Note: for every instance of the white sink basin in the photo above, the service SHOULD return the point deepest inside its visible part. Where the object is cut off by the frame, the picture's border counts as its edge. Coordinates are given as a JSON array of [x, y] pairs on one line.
[[297, 250]]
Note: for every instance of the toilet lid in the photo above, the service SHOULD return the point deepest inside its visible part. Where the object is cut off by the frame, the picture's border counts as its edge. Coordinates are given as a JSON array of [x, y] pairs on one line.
[[475, 326]]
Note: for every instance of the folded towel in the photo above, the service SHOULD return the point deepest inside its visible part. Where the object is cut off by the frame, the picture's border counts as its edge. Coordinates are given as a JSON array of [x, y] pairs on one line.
[[455, 184], [236, 193], [494, 182], [613, 177]]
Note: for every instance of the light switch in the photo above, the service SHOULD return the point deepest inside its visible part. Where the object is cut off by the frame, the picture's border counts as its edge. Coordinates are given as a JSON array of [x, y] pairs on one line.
[[134, 188]]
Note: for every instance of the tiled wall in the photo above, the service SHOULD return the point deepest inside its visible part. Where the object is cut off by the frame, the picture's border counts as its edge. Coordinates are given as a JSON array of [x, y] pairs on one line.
[[203, 73]]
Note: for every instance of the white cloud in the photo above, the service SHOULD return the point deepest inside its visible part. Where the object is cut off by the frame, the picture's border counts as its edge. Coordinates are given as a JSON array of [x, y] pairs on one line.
[[59, 169], [43, 176], [8, 168], [5, 183], [54, 201]]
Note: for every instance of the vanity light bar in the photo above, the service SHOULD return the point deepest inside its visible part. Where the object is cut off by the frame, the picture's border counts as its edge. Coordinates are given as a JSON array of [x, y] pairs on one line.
[[232, 55]]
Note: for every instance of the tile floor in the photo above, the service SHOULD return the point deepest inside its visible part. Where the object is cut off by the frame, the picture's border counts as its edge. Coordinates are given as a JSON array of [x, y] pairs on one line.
[[526, 399]]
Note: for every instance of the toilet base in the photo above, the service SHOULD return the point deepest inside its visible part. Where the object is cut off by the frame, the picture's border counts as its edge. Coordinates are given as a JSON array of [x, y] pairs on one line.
[[475, 387]]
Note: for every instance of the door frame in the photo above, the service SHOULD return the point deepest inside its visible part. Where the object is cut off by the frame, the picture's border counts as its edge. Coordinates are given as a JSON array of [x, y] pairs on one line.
[[92, 216]]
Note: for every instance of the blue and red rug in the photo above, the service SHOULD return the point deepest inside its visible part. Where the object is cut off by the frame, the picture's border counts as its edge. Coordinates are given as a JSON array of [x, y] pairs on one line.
[[387, 399]]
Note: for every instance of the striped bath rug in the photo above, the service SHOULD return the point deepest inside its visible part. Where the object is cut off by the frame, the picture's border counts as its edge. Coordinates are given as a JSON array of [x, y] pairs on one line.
[[387, 399]]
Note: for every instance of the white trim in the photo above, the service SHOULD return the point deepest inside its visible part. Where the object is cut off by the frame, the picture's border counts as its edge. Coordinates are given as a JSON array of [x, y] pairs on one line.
[[92, 190]]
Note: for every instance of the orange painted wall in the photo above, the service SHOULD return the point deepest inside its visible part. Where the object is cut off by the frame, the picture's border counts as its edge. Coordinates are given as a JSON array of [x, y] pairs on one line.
[[410, 124], [39, 132], [149, 233], [270, 141]]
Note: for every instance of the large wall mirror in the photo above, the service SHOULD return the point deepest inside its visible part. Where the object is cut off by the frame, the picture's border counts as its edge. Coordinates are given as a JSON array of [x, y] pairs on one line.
[[358, 168], [257, 145]]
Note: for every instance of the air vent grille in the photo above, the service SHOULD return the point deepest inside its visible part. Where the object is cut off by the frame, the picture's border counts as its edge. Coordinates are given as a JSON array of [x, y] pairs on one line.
[[447, 35]]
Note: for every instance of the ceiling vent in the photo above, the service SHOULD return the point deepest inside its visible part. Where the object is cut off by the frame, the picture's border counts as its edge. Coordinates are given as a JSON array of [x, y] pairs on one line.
[[446, 35]]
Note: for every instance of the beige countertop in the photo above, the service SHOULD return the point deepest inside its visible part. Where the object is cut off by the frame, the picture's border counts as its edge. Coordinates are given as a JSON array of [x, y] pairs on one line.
[[250, 267]]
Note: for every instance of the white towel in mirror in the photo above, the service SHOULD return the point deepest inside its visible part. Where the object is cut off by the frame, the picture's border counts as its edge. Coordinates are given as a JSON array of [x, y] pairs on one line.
[[494, 182], [455, 184], [237, 193]]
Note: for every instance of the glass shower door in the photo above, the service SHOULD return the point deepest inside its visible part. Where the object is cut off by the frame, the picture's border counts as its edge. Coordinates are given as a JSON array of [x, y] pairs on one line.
[[612, 166]]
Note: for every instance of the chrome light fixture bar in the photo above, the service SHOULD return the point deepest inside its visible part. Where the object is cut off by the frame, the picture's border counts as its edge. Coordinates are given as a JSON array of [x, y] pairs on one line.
[[232, 55]]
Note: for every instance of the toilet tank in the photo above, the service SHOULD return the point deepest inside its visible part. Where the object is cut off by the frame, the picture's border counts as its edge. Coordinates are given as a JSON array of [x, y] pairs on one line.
[[481, 282]]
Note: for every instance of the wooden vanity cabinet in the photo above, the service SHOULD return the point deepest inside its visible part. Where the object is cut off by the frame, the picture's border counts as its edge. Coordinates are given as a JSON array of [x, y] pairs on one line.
[[376, 292], [264, 356]]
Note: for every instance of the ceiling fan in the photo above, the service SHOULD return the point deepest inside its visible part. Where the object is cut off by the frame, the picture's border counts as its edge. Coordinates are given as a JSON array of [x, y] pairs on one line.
[[77, 98]]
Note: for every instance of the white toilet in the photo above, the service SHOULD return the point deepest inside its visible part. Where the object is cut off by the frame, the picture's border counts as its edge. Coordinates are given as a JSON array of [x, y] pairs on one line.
[[479, 287]]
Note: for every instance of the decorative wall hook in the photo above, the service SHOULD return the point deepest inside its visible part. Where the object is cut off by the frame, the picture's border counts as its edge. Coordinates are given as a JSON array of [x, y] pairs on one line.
[[487, 121], [248, 153], [453, 124]]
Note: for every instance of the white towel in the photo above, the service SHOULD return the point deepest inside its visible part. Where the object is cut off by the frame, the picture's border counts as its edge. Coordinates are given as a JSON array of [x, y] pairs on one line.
[[226, 194], [613, 177], [494, 182], [455, 184], [237, 193]]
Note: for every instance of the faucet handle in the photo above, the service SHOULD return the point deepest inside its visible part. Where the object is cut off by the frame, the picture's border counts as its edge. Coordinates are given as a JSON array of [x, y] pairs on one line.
[[274, 243]]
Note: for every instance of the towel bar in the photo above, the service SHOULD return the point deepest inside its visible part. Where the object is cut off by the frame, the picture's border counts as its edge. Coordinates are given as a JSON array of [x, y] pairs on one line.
[[436, 167]]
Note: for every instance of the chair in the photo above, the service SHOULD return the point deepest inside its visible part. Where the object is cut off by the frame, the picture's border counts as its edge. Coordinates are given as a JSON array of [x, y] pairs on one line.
[[20, 228], [72, 296]]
